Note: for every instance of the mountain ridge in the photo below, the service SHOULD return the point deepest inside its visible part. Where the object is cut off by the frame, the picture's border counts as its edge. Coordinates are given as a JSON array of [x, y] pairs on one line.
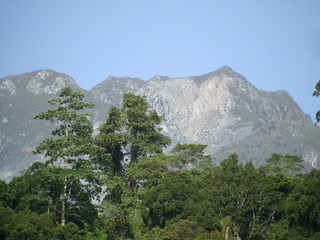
[[220, 108]]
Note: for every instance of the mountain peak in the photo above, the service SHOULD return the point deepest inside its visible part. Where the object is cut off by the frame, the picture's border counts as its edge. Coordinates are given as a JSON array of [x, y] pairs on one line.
[[159, 78], [225, 68], [39, 81], [228, 71], [223, 71], [48, 81]]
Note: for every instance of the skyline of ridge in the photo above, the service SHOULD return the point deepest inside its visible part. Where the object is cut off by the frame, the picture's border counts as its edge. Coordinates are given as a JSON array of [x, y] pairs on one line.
[[222, 68], [274, 44]]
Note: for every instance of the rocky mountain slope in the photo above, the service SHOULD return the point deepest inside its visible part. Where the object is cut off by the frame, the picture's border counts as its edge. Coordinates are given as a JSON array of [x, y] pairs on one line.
[[220, 109], [223, 110]]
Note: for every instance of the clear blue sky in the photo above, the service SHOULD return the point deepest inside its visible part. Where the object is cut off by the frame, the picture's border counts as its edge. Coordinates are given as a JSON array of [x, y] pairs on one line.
[[274, 44]]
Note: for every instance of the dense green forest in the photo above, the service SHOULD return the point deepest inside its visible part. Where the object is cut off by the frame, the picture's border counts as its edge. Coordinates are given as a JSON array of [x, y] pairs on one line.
[[118, 184]]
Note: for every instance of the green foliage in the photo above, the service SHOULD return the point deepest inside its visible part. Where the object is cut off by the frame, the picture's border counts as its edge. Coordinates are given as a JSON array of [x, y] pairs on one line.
[[288, 165], [189, 156], [279, 230], [33, 226], [138, 172], [316, 93], [116, 222], [70, 147], [39, 190], [303, 204], [186, 157], [155, 196], [171, 196], [112, 140], [4, 194], [131, 132], [165, 197], [73, 136], [244, 196], [143, 136], [228, 202], [183, 230], [203, 213]]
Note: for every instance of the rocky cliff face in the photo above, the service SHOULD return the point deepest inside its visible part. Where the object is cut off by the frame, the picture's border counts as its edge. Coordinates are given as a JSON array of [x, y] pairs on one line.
[[109, 93], [220, 109]]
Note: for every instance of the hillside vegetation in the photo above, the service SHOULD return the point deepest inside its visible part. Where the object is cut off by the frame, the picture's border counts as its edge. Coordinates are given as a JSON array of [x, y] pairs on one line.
[[118, 184]]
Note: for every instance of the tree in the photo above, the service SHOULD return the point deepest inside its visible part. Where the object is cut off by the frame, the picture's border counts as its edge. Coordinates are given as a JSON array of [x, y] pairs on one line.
[[141, 124], [303, 205], [32, 226], [188, 156], [131, 132], [165, 197], [140, 171], [172, 196], [71, 145], [37, 189], [316, 93], [129, 135], [243, 198], [4, 195], [283, 164], [112, 139], [185, 157]]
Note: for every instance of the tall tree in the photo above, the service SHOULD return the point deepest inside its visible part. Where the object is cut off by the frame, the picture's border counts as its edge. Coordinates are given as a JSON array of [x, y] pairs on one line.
[[243, 197], [39, 190], [287, 164], [71, 143], [131, 132], [303, 205], [143, 133], [112, 139], [188, 156], [4, 195], [316, 93]]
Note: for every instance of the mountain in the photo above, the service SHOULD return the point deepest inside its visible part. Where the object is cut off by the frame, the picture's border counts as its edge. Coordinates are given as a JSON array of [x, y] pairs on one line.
[[109, 93], [25, 95], [226, 112], [21, 98], [220, 109]]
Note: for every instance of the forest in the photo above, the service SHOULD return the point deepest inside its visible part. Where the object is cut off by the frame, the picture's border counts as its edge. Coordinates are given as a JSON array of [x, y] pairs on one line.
[[117, 183]]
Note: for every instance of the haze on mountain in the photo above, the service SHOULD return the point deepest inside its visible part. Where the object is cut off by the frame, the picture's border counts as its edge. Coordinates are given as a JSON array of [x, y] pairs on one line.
[[220, 109]]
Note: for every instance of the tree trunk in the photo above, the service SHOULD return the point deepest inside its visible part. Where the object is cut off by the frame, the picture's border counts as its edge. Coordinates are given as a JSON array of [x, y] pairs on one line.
[[63, 203], [226, 236], [63, 212], [65, 187]]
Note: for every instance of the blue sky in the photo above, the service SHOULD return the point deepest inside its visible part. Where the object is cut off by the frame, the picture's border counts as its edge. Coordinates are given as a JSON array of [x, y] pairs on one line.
[[274, 44]]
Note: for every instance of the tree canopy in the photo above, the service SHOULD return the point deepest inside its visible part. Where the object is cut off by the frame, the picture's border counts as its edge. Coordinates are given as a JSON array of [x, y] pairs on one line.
[[70, 148], [316, 93]]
